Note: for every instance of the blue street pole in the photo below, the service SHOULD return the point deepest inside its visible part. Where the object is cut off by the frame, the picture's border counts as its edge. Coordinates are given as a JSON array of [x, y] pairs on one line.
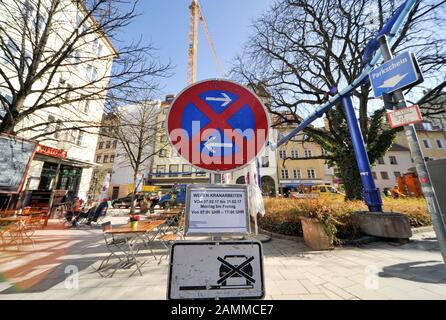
[[372, 196]]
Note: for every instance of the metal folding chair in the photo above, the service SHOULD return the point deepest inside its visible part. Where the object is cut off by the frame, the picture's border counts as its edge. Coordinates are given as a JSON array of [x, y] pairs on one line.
[[116, 245]]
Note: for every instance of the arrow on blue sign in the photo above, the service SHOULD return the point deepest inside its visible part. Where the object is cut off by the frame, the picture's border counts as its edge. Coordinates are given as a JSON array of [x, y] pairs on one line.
[[226, 99], [397, 73]]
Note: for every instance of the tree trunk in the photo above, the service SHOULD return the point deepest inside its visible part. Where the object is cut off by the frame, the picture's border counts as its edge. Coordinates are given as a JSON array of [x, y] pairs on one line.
[[132, 205], [349, 172]]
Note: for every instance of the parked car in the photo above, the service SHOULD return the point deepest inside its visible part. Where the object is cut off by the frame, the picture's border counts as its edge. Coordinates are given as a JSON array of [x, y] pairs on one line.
[[125, 202], [178, 193]]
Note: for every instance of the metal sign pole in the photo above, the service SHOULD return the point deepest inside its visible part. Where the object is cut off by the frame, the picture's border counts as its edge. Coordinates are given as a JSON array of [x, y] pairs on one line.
[[372, 197], [418, 158]]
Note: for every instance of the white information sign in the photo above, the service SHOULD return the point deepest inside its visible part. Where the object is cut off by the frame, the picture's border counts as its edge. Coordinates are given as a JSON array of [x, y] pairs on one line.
[[404, 116], [210, 270], [216, 209]]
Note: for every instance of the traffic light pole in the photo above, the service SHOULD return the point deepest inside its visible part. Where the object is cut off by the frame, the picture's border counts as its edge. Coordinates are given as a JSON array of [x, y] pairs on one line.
[[418, 158]]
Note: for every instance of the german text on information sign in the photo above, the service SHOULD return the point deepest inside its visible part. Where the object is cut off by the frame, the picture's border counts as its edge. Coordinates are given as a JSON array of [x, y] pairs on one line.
[[216, 209], [404, 116]]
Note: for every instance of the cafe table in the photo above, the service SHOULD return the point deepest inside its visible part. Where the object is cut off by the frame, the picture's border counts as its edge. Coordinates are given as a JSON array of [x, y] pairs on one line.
[[124, 240]]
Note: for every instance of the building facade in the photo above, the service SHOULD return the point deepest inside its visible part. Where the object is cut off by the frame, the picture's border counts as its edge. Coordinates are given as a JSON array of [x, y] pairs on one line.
[[296, 166], [168, 168], [398, 160], [65, 159]]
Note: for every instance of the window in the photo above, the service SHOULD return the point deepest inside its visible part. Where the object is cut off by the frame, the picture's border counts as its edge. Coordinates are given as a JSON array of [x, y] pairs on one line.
[[69, 92], [440, 144], [311, 174], [308, 153], [381, 161], [284, 174], [50, 127], [61, 85], [91, 72], [282, 154], [163, 138], [200, 173], [165, 110], [173, 170], [105, 158], [112, 158], [427, 126], [384, 175], [397, 174], [393, 160], [296, 174], [187, 170], [427, 143], [374, 176], [163, 153], [80, 137], [115, 144], [108, 145], [58, 127], [160, 169], [98, 159], [99, 51], [265, 161], [87, 106], [294, 154], [76, 58], [101, 145]]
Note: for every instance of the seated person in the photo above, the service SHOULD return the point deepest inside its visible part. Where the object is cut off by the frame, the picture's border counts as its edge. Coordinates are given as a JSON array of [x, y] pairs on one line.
[[100, 210]]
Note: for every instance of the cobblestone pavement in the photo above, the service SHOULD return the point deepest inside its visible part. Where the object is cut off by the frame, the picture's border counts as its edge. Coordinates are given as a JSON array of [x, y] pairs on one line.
[[62, 263]]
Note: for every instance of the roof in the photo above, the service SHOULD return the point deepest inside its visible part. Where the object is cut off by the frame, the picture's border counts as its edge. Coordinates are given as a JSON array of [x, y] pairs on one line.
[[106, 38], [398, 147]]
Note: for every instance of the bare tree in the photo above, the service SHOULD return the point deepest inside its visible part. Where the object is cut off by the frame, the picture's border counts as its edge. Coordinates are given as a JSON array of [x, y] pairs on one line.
[[302, 49], [136, 134], [66, 54]]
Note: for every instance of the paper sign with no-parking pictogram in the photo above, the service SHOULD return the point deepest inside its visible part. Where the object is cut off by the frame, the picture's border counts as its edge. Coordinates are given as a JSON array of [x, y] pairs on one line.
[[210, 270]]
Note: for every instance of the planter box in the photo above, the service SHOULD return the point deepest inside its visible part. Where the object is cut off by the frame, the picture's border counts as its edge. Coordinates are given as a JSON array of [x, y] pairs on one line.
[[383, 224], [315, 236]]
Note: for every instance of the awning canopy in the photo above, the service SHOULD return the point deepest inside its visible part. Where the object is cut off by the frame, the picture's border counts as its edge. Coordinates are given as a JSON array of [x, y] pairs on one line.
[[71, 162]]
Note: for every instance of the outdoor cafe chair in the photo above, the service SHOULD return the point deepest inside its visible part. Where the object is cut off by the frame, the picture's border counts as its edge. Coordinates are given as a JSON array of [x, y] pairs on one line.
[[117, 245]]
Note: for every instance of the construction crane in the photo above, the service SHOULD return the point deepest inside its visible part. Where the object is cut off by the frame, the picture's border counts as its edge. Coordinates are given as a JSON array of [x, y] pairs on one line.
[[195, 15]]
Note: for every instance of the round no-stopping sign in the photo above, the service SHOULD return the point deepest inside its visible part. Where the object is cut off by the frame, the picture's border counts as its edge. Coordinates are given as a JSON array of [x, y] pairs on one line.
[[217, 125]]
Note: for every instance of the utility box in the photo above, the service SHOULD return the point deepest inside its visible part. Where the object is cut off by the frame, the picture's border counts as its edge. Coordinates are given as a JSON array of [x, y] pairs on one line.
[[437, 169]]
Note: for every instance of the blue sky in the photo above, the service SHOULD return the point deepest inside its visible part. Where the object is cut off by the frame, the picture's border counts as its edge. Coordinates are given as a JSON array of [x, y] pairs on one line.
[[165, 23]]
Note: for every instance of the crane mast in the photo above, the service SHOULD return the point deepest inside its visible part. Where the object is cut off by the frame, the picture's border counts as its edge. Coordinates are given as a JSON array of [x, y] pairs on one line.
[[195, 15], [193, 43]]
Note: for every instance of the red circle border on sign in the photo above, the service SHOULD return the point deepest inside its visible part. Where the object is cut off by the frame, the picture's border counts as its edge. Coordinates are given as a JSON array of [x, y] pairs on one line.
[[261, 119]]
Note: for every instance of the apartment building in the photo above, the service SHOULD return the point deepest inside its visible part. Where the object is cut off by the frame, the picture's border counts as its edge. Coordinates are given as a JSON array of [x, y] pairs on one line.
[[393, 164], [64, 160], [294, 169], [106, 149], [398, 160], [168, 168]]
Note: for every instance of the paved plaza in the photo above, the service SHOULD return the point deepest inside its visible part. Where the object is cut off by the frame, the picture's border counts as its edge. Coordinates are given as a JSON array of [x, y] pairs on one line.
[[62, 265]]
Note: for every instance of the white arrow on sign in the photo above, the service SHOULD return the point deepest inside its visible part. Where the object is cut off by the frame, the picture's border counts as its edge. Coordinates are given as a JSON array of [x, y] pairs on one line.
[[225, 98], [210, 144], [392, 82]]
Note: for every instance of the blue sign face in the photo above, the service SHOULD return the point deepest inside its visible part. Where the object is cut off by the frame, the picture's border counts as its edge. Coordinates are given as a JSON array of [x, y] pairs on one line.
[[395, 74], [217, 125]]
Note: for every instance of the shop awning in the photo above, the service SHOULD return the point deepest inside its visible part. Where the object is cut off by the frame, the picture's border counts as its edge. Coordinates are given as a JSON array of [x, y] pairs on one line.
[[71, 162]]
